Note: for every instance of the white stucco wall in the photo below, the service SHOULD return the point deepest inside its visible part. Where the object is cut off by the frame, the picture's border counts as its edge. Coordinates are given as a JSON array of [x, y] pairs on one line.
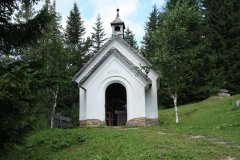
[[151, 98], [82, 110], [113, 70]]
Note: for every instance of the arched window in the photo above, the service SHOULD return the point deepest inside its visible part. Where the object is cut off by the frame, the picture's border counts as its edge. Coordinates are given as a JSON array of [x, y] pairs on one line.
[[117, 28]]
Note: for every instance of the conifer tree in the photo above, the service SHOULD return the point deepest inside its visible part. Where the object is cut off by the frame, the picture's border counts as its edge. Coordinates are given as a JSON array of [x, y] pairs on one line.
[[223, 19], [98, 36], [74, 30], [18, 78], [25, 13], [148, 45], [74, 40], [14, 35], [172, 3], [130, 38]]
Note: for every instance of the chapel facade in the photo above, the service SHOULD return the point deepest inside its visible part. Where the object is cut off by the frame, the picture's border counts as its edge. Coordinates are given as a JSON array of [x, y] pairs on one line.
[[114, 87]]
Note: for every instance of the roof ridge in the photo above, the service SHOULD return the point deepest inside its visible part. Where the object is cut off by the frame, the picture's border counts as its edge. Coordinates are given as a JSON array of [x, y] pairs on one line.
[[135, 51], [111, 51], [102, 48], [92, 59]]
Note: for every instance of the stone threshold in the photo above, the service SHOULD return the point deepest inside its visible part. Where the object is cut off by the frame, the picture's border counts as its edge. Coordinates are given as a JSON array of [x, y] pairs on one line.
[[141, 121]]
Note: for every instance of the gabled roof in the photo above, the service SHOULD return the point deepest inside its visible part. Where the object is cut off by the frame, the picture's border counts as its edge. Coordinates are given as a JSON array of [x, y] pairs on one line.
[[112, 51], [135, 51], [102, 48]]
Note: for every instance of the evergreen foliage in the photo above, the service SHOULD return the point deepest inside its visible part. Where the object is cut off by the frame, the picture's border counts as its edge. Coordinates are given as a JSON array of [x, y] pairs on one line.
[[130, 38], [74, 29], [223, 18], [98, 36], [14, 35], [149, 46], [25, 13], [76, 45], [18, 78], [18, 84]]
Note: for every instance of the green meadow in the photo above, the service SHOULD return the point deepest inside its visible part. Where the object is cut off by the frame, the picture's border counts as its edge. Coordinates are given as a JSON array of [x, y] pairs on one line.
[[209, 129]]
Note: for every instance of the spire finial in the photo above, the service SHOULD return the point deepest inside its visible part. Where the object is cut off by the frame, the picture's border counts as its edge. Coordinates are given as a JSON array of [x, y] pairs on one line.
[[117, 12]]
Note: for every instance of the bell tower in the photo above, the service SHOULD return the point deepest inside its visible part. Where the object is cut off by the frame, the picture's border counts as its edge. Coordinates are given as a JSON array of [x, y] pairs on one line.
[[118, 26]]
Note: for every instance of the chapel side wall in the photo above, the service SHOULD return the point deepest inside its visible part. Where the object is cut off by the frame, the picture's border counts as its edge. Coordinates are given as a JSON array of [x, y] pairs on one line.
[[151, 100], [82, 107], [82, 104]]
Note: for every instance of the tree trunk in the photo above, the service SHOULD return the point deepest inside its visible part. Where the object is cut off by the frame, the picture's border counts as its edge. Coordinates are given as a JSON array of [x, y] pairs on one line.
[[55, 96], [175, 106]]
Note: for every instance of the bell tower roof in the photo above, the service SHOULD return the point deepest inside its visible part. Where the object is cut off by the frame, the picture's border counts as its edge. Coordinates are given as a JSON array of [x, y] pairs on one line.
[[118, 26], [117, 20]]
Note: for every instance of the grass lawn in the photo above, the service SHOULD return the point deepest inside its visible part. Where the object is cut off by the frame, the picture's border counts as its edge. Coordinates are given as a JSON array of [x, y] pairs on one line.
[[208, 130]]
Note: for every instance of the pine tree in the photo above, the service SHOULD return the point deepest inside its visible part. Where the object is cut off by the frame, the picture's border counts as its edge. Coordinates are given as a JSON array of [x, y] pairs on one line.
[[172, 3], [18, 78], [14, 35], [223, 19], [74, 40], [148, 46], [25, 13], [98, 36], [130, 38], [74, 30]]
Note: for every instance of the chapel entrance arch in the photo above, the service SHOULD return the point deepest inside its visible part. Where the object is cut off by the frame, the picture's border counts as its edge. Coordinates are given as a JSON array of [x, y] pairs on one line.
[[116, 105]]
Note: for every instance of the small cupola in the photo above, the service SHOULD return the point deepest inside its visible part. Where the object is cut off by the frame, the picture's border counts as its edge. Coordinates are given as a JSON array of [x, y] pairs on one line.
[[118, 26]]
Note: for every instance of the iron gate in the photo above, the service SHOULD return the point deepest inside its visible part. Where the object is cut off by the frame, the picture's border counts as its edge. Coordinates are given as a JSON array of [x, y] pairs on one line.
[[116, 112]]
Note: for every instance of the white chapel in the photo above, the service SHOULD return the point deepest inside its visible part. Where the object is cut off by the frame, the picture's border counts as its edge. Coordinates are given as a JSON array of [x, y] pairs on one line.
[[114, 87]]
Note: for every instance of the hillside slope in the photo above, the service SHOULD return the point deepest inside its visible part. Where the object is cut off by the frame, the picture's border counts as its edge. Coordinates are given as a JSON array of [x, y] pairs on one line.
[[215, 116], [208, 130]]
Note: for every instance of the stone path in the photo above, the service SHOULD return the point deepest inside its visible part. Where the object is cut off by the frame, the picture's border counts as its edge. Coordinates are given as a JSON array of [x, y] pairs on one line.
[[217, 141], [163, 133], [124, 128], [197, 137], [228, 158], [129, 128], [211, 139]]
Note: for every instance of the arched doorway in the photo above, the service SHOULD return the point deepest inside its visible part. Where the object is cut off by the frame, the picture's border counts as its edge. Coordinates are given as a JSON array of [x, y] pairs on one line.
[[116, 105]]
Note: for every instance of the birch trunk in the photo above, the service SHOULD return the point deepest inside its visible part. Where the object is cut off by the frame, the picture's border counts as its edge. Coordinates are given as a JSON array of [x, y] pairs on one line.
[[175, 106], [55, 96]]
